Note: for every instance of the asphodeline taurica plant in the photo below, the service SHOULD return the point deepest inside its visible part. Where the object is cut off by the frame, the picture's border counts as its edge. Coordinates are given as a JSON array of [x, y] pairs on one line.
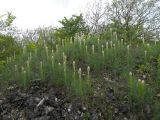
[[80, 74], [88, 71], [111, 43], [88, 75], [24, 78], [52, 60], [15, 68], [86, 49], [102, 47], [103, 54], [71, 41], [114, 46], [46, 49], [84, 42], [64, 67], [41, 71], [145, 53], [128, 48], [92, 49], [141, 90], [98, 41], [62, 42], [122, 41], [106, 45], [80, 80], [56, 48], [143, 41]]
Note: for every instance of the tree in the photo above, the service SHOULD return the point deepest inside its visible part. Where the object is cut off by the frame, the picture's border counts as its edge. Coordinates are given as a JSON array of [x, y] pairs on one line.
[[70, 27], [6, 21], [95, 16], [132, 19], [135, 16], [8, 46]]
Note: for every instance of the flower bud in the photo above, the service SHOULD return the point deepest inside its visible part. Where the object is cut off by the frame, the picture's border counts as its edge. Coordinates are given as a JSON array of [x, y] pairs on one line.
[[103, 53], [93, 49], [80, 73], [88, 70], [107, 45], [142, 81], [139, 80], [74, 66], [102, 47], [130, 73]]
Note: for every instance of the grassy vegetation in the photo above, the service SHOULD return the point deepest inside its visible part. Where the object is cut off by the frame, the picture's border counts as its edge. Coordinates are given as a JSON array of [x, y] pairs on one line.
[[73, 64]]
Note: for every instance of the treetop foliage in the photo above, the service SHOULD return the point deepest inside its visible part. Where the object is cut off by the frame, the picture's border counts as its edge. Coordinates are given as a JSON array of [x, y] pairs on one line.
[[71, 26], [131, 19], [6, 20]]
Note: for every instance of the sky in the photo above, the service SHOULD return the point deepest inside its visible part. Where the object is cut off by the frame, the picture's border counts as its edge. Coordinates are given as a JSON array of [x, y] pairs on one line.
[[41, 13]]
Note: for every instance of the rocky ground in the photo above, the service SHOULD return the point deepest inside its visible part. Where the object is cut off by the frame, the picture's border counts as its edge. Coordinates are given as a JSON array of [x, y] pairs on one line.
[[43, 101]]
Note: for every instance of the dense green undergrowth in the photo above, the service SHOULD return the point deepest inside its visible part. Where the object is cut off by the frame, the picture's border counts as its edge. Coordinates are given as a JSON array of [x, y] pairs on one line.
[[73, 64]]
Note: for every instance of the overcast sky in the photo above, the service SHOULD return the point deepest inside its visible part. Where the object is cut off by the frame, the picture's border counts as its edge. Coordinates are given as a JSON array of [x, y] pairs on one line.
[[35, 13]]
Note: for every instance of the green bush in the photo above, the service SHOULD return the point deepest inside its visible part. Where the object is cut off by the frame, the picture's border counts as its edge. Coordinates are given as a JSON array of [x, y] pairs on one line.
[[139, 93], [8, 47]]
